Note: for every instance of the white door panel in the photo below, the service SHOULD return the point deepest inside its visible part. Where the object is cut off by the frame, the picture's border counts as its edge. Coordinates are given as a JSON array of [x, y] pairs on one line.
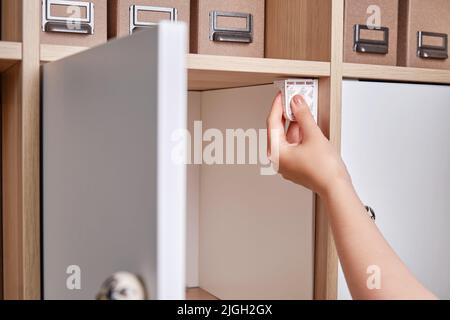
[[396, 144], [112, 198]]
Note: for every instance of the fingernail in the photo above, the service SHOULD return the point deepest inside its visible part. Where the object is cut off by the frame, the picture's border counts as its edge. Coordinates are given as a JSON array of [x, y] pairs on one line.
[[297, 103]]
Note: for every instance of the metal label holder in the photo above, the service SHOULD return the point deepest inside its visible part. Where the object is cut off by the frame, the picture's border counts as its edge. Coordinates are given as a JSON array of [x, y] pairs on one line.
[[240, 35], [370, 46], [134, 18], [432, 52], [77, 25]]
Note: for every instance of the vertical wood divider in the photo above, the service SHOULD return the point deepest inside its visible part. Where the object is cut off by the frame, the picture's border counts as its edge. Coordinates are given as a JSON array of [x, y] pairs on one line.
[[21, 163], [326, 259]]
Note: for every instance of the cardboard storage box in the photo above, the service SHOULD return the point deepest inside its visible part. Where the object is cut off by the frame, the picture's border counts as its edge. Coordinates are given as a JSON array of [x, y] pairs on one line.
[[232, 27], [423, 34], [370, 31], [127, 16], [75, 23]]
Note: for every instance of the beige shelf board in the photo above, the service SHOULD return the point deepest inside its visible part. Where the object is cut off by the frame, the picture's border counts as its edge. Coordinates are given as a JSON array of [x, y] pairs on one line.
[[208, 72], [391, 73], [10, 53], [51, 53]]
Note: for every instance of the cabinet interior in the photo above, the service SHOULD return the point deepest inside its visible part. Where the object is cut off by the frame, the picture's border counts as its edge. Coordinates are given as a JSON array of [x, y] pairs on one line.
[[248, 235]]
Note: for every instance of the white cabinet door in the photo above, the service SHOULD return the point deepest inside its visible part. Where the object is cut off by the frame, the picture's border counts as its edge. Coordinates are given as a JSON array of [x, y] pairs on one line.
[[113, 199], [396, 144]]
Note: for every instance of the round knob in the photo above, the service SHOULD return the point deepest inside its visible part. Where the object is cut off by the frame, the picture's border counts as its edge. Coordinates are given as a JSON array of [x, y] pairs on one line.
[[122, 286]]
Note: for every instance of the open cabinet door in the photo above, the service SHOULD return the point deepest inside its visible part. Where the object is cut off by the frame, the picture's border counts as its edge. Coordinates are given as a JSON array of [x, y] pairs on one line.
[[113, 199]]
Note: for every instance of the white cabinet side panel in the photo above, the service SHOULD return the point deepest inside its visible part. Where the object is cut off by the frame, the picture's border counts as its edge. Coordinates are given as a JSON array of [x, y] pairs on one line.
[[193, 199]]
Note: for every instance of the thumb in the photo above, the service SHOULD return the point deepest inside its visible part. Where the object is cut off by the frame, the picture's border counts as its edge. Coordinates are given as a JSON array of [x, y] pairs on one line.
[[303, 116]]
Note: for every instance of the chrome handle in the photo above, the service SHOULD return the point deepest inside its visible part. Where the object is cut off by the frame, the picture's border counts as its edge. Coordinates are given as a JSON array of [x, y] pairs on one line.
[[72, 24], [370, 46], [241, 35], [134, 18], [429, 51]]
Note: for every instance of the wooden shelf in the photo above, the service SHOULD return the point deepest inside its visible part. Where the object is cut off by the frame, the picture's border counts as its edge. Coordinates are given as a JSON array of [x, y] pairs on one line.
[[218, 72], [10, 53], [391, 73], [208, 72], [51, 53]]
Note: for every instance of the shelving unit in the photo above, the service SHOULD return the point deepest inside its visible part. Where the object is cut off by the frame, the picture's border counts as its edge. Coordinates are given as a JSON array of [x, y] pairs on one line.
[[20, 58]]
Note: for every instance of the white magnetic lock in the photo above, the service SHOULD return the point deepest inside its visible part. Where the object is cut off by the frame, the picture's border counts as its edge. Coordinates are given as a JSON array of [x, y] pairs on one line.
[[308, 88], [79, 18], [135, 23]]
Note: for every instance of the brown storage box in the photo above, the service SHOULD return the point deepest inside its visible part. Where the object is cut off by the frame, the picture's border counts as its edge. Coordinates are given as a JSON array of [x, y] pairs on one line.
[[231, 28], [423, 33], [125, 16], [58, 19], [368, 43]]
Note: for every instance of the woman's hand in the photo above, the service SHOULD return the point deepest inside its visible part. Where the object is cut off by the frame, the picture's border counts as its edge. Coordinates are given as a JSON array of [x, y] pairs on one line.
[[303, 154]]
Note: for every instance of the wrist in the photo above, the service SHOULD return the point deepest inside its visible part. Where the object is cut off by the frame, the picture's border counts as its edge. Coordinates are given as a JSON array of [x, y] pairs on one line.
[[336, 187]]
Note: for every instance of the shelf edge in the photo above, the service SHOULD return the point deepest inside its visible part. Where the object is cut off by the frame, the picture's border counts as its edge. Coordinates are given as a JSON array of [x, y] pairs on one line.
[[11, 51], [393, 73], [201, 62], [50, 53]]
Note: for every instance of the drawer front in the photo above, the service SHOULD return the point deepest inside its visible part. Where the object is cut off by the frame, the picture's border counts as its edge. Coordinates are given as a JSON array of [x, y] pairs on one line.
[[424, 32], [371, 29], [234, 28], [127, 16], [75, 23]]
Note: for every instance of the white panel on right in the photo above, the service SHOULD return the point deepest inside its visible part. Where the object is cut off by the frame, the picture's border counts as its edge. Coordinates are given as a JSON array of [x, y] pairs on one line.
[[396, 144]]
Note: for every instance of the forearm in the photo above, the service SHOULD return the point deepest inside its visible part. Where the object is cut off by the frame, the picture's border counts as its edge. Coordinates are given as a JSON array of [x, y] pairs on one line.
[[360, 245]]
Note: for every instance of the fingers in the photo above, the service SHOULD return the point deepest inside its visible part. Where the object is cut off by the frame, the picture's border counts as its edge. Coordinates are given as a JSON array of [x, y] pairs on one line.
[[275, 125], [304, 117], [294, 135]]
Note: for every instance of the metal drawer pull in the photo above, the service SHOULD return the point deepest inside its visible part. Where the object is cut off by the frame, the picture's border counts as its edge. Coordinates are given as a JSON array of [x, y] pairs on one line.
[[241, 35], [79, 25], [134, 16], [429, 51], [370, 46]]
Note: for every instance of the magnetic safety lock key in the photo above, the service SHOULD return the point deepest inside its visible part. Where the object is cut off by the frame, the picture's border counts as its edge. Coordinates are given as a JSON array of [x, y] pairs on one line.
[[308, 88]]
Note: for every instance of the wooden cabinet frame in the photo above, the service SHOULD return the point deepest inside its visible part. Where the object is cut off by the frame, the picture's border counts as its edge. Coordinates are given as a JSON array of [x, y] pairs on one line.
[[20, 58]]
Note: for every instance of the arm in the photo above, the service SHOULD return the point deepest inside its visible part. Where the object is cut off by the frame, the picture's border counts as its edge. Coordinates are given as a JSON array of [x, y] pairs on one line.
[[304, 156]]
